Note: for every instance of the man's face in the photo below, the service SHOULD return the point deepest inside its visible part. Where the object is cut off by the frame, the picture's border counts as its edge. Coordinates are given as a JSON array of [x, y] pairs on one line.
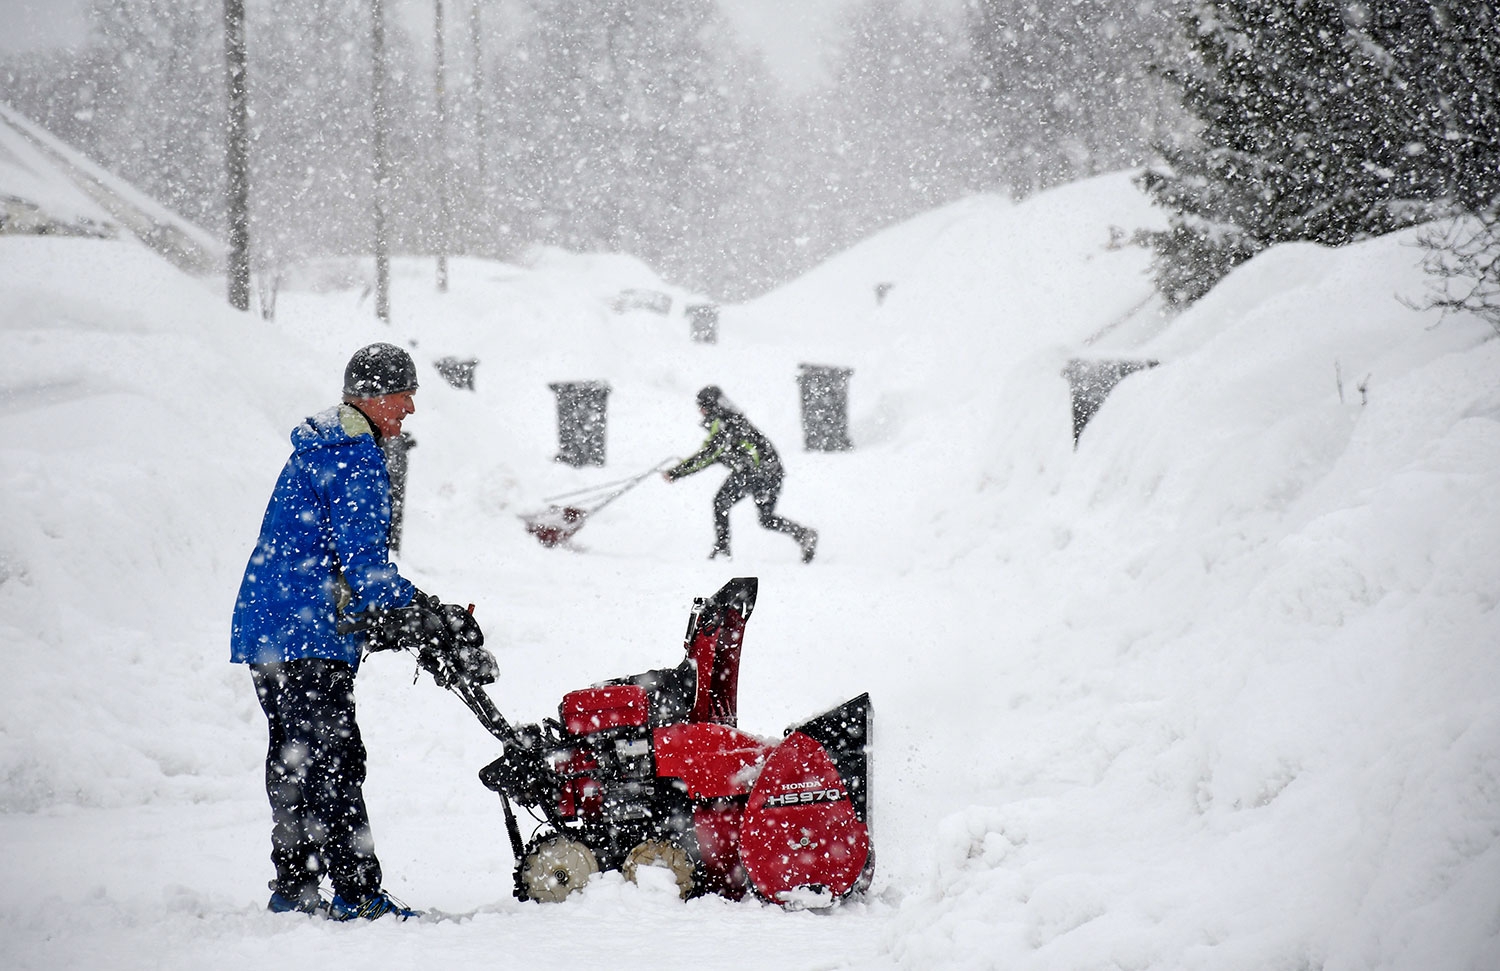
[[388, 411]]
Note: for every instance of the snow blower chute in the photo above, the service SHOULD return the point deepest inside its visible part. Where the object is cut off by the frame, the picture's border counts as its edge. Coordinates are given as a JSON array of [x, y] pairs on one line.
[[651, 770]]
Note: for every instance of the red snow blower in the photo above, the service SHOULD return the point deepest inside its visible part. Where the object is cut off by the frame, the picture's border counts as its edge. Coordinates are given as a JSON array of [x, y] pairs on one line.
[[652, 771], [556, 524]]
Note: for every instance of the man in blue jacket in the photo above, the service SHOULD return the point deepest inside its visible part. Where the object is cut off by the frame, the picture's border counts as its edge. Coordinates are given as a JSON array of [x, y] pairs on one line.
[[322, 562]]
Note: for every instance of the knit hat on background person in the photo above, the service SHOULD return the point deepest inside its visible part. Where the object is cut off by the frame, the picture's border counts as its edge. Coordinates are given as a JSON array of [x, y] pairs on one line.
[[712, 400], [379, 369]]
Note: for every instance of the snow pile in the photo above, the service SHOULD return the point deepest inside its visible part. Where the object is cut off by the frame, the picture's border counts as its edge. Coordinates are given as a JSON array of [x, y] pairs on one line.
[[48, 188], [1212, 690], [1266, 606], [28, 176]]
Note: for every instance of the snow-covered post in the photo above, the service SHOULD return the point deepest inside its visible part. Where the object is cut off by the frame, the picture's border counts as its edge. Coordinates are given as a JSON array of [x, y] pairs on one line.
[[442, 153], [1091, 382], [580, 421], [825, 407], [237, 156], [703, 322], [482, 212], [382, 166], [396, 463]]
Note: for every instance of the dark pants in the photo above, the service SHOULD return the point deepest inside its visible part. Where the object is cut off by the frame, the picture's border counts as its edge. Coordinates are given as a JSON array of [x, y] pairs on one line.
[[315, 766], [765, 490]]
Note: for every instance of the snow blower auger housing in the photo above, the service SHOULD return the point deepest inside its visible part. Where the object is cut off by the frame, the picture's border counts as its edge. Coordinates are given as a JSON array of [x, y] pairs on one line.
[[652, 771]]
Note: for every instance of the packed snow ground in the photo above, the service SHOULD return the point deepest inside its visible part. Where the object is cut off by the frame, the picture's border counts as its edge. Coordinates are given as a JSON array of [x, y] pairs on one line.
[[1215, 690]]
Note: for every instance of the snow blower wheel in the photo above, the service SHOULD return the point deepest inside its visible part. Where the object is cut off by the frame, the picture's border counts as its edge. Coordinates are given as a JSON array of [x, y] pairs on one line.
[[668, 856], [555, 867]]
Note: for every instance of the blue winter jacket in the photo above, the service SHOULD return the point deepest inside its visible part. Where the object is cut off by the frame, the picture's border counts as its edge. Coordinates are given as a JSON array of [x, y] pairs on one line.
[[322, 552]]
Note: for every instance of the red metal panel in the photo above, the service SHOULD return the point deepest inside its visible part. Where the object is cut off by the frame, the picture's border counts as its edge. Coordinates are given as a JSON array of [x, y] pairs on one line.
[[714, 761], [717, 825], [611, 706], [800, 829]]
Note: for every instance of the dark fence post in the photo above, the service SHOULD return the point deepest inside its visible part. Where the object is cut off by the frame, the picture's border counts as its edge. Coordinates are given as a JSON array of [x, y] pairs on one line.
[[580, 421], [825, 407], [703, 322], [651, 300], [395, 450], [1091, 382], [458, 372]]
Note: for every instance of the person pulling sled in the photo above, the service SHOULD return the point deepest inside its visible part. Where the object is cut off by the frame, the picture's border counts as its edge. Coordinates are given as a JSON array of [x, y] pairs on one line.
[[755, 470]]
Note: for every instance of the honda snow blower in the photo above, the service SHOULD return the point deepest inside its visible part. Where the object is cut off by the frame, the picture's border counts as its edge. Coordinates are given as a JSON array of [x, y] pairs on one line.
[[652, 771]]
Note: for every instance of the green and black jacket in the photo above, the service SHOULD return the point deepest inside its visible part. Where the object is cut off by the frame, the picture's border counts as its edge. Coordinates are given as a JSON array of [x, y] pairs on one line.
[[733, 442]]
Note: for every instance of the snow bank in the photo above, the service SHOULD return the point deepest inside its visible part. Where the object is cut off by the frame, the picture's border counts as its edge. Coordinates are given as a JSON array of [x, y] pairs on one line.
[[1211, 690]]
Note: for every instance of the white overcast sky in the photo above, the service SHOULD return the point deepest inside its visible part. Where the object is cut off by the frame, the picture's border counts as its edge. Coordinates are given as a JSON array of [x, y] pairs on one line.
[[789, 32], [30, 24]]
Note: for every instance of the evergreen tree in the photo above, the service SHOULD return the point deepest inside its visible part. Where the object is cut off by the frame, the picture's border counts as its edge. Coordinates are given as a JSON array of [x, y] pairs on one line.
[[155, 96], [1060, 86], [893, 133], [146, 99], [633, 130], [1436, 67], [1318, 121], [312, 146], [1443, 61], [897, 125]]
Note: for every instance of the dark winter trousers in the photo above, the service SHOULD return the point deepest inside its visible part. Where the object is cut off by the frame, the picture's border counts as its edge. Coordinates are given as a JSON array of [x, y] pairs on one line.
[[315, 767], [765, 490]]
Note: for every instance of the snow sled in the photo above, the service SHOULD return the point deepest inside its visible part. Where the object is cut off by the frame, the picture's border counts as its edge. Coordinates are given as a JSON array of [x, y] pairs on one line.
[[652, 770], [555, 525]]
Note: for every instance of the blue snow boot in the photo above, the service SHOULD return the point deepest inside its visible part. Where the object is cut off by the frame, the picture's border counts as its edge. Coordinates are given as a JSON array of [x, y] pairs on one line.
[[371, 907], [310, 904]]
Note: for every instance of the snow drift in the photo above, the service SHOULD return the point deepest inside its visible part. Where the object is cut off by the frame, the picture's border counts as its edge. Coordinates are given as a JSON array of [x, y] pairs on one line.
[[1213, 689]]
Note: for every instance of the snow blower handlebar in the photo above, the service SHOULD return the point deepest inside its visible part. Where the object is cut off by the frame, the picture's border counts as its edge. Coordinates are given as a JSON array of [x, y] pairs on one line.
[[523, 771], [447, 643]]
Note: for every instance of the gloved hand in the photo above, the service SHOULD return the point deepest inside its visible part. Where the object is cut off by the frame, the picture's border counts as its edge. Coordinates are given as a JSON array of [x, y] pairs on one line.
[[454, 648], [445, 638], [412, 627], [462, 626]]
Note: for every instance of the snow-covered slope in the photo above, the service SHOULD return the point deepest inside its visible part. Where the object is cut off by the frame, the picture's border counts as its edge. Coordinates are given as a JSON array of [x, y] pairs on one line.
[[1213, 690], [48, 187]]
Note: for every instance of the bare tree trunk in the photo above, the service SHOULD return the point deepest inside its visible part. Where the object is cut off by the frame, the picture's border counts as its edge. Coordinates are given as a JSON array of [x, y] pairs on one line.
[[382, 168], [444, 217], [237, 156], [482, 216]]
